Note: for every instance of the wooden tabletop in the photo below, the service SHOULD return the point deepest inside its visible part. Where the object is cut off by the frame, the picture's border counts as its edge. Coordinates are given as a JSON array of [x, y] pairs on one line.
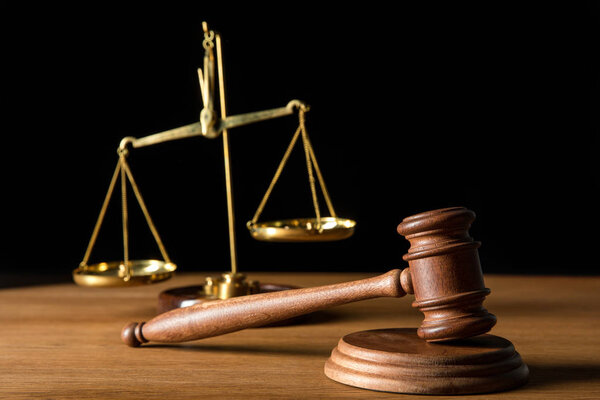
[[63, 342]]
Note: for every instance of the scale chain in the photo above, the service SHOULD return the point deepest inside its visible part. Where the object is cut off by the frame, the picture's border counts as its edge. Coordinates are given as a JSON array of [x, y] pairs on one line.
[[286, 155], [311, 178], [125, 174], [142, 204], [321, 180], [96, 230], [125, 219], [311, 161]]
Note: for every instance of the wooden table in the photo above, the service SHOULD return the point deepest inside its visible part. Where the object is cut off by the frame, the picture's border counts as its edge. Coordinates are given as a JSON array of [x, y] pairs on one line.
[[62, 342]]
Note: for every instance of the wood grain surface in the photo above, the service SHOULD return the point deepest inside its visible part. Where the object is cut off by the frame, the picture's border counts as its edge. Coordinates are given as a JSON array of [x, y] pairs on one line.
[[63, 342]]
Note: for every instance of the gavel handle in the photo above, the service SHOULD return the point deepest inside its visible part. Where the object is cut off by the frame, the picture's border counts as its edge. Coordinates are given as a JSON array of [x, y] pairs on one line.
[[224, 316]]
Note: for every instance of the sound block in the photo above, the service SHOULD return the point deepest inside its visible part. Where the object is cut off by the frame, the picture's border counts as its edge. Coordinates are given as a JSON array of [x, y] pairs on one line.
[[397, 360], [189, 295]]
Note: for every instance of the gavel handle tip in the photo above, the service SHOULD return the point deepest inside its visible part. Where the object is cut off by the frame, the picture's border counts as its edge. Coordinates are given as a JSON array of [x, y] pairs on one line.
[[132, 334]]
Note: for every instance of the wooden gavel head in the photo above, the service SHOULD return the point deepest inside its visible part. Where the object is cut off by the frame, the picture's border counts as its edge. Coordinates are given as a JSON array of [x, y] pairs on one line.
[[445, 274]]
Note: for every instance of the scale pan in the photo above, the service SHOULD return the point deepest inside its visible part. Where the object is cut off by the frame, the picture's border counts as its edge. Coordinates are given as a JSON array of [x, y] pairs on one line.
[[112, 274], [302, 230]]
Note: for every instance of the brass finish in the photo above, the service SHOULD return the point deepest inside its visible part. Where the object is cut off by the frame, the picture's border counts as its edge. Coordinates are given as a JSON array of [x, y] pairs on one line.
[[233, 285], [302, 230], [229, 285], [195, 129], [116, 274], [208, 117], [128, 272], [258, 116], [227, 167], [212, 124]]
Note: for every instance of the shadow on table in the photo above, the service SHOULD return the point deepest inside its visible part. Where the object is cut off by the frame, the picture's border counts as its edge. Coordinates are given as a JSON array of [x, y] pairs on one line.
[[275, 348], [541, 376]]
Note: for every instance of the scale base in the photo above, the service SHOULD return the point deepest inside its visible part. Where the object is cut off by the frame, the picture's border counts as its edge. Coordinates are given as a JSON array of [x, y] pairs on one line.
[[397, 360]]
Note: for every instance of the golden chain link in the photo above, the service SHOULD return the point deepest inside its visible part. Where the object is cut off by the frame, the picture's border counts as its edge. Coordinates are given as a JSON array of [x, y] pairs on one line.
[[208, 43]]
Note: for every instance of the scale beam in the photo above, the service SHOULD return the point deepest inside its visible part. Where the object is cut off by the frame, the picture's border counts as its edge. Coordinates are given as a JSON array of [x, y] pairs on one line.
[[196, 129], [234, 121]]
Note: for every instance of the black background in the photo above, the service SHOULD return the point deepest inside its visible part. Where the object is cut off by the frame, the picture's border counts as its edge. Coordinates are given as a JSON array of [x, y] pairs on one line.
[[488, 105]]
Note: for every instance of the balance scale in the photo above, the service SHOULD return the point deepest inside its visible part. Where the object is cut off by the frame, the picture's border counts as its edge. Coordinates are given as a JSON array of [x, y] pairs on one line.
[[128, 272]]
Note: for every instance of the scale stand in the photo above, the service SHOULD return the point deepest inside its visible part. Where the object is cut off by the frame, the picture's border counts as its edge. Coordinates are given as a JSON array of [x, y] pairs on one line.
[[233, 283]]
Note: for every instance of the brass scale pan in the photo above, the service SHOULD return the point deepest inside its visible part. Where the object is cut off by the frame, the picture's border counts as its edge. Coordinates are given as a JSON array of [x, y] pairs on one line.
[[303, 230], [141, 272], [113, 274]]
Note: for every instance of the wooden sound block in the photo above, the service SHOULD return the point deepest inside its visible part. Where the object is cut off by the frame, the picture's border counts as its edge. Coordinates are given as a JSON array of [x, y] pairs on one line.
[[397, 360], [189, 295]]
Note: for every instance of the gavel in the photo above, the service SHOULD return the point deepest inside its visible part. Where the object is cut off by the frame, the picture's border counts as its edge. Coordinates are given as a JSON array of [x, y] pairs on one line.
[[444, 274]]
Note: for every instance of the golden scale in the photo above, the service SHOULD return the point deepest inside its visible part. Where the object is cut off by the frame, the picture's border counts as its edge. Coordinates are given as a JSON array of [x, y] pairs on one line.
[[230, 284]]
